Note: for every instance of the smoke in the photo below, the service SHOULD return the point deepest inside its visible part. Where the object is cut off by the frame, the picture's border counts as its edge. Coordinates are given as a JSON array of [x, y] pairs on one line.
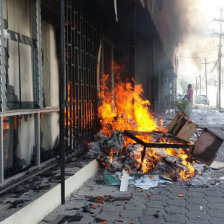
[[190, 17], [194, 22]]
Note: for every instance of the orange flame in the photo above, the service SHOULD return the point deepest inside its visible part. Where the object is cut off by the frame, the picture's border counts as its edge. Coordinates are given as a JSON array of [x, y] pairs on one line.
[[124, 109], [184, 174], [111, 156], [130, 112], [6, 124], [69, 112]]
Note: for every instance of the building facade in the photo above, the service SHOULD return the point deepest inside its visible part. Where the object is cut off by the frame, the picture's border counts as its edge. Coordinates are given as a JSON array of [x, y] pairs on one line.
[[96, 34]]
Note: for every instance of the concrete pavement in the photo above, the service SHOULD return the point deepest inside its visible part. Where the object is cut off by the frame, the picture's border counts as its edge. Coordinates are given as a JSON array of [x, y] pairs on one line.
[[176, 203], [172, 204]]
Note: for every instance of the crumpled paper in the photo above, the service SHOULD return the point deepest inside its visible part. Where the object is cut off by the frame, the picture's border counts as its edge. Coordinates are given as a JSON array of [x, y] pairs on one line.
[[147, 182]]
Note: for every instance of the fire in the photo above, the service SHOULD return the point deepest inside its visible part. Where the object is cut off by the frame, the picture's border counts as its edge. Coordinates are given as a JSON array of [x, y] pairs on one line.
[[69, 113], [6, 124], [150, 161], [111, 156], [184, 174], [124, 109], [130, 112]]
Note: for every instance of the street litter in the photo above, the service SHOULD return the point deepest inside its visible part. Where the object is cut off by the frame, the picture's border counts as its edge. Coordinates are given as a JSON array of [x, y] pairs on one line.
[[141, 181], [124, 181], [146, 182], [149, 181]]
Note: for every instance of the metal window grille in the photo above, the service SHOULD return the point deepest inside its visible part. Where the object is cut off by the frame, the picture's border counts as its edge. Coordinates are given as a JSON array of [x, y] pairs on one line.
[[2, 55], [80, 68], [35, 43]]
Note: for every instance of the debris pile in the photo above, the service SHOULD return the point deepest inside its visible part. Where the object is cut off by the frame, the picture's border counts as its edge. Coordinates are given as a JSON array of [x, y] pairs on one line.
[[131, 139], [156, 153], [112, 153]]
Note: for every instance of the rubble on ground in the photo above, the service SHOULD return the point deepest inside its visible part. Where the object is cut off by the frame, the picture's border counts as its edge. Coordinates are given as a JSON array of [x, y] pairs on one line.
[[116, 154]]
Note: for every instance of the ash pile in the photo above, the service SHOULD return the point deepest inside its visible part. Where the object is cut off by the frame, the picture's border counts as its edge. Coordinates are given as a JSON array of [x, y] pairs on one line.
[[183, 152]]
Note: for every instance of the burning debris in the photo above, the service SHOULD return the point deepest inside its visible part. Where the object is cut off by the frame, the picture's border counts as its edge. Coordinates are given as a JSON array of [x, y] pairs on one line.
[[136, 159], [149, 149]]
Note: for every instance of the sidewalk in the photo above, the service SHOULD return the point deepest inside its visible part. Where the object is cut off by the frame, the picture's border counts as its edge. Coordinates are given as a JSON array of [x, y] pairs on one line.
[[174, 203]]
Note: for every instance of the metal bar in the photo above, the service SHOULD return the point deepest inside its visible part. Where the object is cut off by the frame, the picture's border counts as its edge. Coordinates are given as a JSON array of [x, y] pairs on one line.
[[144, 133], [1, 152], [62, 98], [94, 75], [73, 74], [29, 111], [20, 38], [85, 81], [34, 171], [126, 133], [88, 70], [166, 145], [66, 73], [156, 145], [70, 73], [20, 89], [23, 174], [79, 72], [34, 51], [39, 52], [76, 76], [3, 89], [3, 66], [167, 135], [143, 156], [26, 176], [37, 138]]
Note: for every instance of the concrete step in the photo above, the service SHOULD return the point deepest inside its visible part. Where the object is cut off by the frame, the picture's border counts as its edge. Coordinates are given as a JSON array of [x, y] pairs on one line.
[[35, 211]]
